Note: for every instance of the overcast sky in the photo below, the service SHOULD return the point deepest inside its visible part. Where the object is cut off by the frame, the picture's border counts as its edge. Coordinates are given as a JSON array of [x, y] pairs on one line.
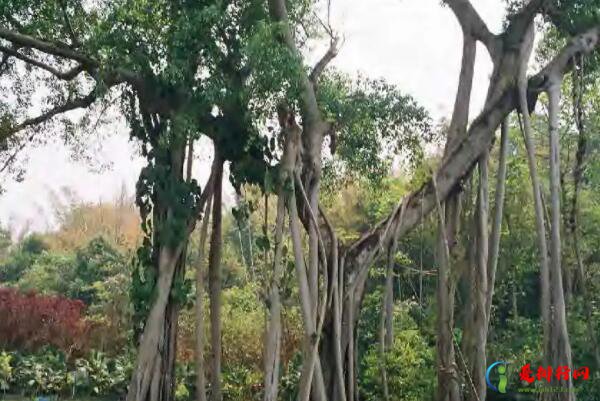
[[415, 44]]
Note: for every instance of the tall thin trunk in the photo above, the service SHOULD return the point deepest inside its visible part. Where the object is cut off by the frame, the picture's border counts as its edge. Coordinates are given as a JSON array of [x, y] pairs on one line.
[[312, 365], [389, 300], [538, 207], [386, 322], [448, 389], [477, 324], [578, 170], [214, 284], [494, 248], [273, 333], [305, 297], [559, 344], [199, 307]]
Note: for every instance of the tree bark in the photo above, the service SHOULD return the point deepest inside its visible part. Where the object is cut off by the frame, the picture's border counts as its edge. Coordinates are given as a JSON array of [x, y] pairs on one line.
[[448, 385], [386, 334], [153, 378], [477, 323], [578, 112], [273, 333], [290, 133], [560, 348], [199, 307], [498, 214], [214, 284], [538, 207]]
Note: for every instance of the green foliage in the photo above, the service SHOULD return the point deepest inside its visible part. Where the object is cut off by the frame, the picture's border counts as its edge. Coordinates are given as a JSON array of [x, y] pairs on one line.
[[20, 258], [51, 273], [49, 372], [98, 374], [409, 365], [374, 122], [291, 378], [241, 383], [6, 371], [45, 373]]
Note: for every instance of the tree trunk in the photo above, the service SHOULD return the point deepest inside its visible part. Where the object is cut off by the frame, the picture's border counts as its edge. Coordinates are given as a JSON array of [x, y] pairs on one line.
[[386, 335], [214, 284], [448, 388], [578, 112], [477, 321], [273, 332], [560, 348], [538, 205], [153, 378], [494, 247], [199, 308]]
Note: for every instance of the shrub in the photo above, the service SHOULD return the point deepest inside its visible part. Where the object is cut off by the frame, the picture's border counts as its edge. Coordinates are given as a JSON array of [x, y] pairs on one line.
[[31, 321], [5, 371], [409, 363], [44, 373], [49, 372]]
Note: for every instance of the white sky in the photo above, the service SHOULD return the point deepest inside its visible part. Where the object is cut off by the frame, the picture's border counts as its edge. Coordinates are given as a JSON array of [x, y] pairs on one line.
[[415, 44]]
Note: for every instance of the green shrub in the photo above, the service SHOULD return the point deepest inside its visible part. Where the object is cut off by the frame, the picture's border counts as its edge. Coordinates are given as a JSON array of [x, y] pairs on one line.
[[409, 363], [5, 371], [241, 383], [42, 373], [409, 366], [48, 372]]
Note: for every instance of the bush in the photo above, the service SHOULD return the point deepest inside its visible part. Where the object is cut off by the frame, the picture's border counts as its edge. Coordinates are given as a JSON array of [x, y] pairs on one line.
[[44, 373], [31, 321], [5, 371], [409, 364], [49, 372]]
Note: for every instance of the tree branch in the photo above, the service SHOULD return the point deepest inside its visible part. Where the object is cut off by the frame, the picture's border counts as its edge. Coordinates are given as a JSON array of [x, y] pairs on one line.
[[23, 40], [73, 104], [582, 44], [66, 75], [472, 24], [111, 76], [310, 109], [331, 53]]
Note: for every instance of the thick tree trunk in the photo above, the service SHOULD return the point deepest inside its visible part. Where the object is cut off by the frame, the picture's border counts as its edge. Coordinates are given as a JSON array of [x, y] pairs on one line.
[[214, 284], [153, 378]]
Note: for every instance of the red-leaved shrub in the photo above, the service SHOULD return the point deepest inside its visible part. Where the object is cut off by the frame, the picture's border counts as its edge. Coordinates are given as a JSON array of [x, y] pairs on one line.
[[30, 321]]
